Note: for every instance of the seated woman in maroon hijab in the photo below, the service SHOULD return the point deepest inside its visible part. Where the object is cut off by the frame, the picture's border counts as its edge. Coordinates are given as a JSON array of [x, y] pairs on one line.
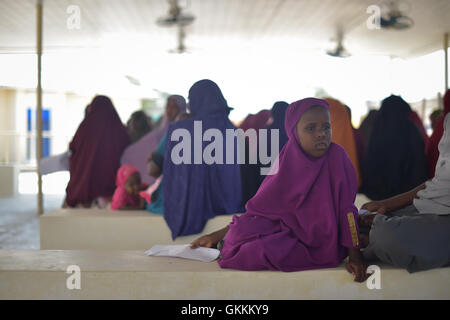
[[96, 149]]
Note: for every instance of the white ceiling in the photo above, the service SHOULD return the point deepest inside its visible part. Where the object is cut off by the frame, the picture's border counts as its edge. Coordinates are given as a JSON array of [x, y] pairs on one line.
[[224, 24]]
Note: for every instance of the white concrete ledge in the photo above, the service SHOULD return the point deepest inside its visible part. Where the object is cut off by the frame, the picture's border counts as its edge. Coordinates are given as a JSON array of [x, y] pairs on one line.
[[103, 229], [41, 274], [9, 176]]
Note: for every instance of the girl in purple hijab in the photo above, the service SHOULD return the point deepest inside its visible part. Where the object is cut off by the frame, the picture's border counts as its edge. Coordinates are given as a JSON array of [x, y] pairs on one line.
[[303, 216]]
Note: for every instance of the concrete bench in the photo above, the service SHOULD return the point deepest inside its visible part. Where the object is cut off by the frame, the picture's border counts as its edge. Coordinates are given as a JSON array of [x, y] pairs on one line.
[[9, 176], [103, 229], [41, 274]]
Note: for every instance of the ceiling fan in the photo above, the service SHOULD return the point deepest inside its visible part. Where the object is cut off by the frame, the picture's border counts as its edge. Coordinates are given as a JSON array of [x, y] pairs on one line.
[[133, 80], [394, 17], [181, 35], [176, 17], [339, 51]]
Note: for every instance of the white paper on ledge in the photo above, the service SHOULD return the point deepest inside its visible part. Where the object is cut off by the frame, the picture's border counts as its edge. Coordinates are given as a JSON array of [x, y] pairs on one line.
[[183, 251]]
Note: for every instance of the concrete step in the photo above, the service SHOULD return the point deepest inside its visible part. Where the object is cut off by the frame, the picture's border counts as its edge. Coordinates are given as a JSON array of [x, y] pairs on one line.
[[41, 274], [104, 229]]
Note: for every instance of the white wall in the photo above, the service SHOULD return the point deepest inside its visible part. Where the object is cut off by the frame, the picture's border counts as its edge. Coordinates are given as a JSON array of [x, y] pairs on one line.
[[7, 125]]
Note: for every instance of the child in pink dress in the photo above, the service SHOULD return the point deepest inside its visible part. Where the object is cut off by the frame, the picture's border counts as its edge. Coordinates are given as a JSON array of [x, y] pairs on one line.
[[128, 182]]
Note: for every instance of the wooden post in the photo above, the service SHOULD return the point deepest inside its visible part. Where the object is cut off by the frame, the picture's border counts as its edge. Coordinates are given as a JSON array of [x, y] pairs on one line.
[[446, 60], [423, 110], [439, 99], [39, 102]]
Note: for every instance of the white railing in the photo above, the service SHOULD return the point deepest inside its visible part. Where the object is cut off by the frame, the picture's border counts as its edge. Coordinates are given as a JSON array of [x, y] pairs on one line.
[[19, 148]]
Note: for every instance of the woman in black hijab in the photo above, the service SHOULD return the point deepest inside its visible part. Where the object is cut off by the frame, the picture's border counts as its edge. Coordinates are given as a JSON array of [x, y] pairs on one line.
[[138, 125], [251, 173], [395, 160], [366, 126], [278, 114]]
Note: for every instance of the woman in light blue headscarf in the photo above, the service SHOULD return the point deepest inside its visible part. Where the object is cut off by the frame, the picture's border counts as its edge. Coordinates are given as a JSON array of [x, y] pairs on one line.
[[138, 152]]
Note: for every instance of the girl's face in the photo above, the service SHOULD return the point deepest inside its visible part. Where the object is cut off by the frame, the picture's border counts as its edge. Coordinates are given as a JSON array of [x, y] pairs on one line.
[[133, 184], [314, 131]]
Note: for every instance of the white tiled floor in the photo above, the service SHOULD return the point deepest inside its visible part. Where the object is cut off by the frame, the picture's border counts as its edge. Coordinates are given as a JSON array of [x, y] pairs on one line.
[[19, 221]]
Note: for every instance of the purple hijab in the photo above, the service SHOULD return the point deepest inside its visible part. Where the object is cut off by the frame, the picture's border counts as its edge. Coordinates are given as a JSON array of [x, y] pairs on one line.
[[194, 193], [138, 152], [303, 217]]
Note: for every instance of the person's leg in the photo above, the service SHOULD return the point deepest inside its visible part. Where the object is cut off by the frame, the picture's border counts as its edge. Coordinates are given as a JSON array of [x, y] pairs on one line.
[[65, 205], [101, 202], [86, 204], [406, 211], [365, 221], [410, 240]]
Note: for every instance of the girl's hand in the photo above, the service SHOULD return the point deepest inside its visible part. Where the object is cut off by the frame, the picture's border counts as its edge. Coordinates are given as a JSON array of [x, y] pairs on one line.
[[210, 240], [358, 269], [356, 265], [154, 170], [149, 158], [207, 241]]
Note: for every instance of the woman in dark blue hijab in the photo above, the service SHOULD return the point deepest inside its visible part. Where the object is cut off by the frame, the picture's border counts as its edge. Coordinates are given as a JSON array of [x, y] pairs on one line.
[[193, 190]]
